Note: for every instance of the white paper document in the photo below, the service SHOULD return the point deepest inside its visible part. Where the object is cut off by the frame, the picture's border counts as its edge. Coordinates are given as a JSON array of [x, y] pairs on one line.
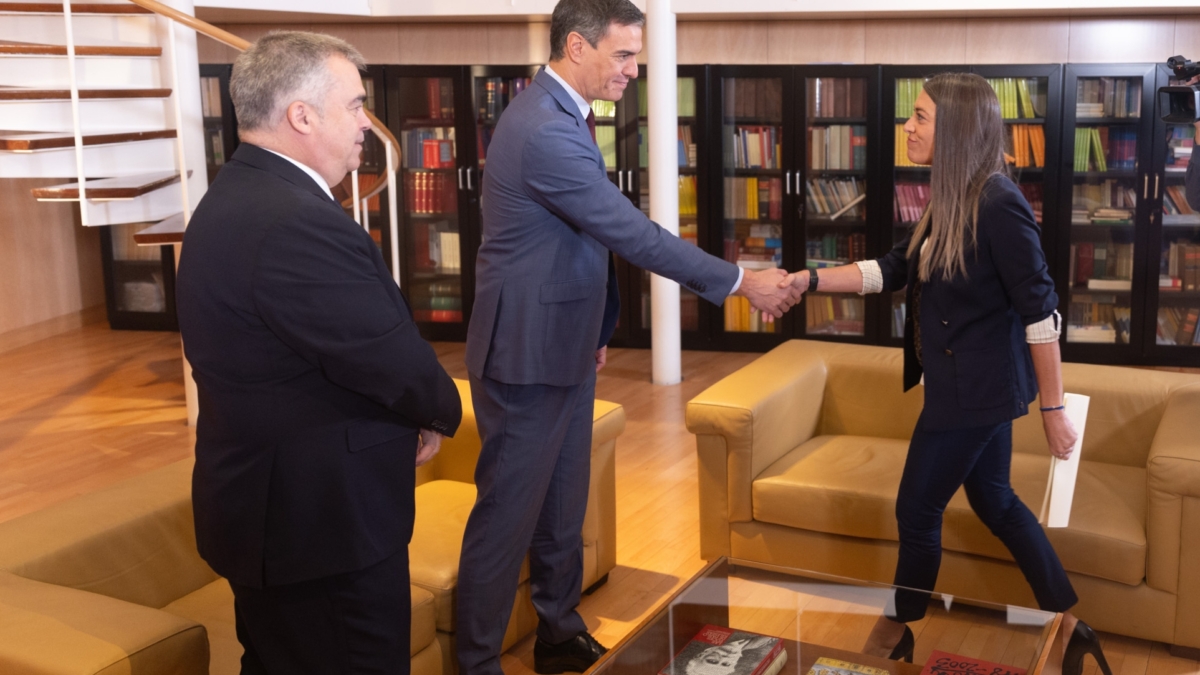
[[1060, 487]]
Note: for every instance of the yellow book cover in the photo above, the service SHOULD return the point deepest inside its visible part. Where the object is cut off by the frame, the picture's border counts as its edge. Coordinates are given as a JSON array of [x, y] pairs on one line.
[[828, 666]]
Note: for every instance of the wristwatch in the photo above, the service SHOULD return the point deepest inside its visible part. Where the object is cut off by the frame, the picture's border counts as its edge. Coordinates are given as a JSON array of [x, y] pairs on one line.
[[812, 280]]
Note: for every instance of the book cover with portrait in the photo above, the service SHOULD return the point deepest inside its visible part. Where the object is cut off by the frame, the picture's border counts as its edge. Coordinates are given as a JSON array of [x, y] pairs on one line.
[[716, 650]]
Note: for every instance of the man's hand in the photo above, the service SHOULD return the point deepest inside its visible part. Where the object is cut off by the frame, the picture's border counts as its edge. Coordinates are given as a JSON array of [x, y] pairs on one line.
[[601, 357], [431, 442], [797, 280], [762, 289]]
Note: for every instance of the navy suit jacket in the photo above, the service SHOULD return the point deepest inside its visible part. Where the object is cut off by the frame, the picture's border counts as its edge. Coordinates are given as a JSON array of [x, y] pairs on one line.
[[550, 218], [313, 380], [977, 366]]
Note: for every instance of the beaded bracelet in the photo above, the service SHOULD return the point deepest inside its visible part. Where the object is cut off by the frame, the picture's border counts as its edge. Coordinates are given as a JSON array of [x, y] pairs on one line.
[[1053, 408]]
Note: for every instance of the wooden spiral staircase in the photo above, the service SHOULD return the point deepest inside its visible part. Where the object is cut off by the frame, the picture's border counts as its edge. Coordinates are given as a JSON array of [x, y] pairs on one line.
[[92, 91]]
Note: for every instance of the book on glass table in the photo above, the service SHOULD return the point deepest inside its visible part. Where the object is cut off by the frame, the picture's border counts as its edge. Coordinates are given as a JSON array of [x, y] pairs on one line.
[[716, 650], [941, 663], [828, 666], [1060, 486]]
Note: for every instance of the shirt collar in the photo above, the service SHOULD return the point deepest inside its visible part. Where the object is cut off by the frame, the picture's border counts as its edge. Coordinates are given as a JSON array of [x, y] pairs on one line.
[[312, 174], [584, 108]]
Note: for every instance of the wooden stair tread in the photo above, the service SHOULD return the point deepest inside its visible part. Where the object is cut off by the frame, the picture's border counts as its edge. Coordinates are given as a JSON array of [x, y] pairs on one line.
[[25, 94], [169, 231], [121, 187], [11, 48], [56, 8], [19, 142]]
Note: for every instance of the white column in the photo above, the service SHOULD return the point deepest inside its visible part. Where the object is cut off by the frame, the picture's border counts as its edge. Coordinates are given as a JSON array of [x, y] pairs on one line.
[[664, 182]]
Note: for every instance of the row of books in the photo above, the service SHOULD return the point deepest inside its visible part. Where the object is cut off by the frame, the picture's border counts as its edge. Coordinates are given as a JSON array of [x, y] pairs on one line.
[[911, 199], [1029, 145], [606, 140], [1034, 194], [1095, 318], [1176, 210], [686, 146], [1102, 266], [685, 101], [1109, 197], [1108, 97], [907, 90], [832, 250], [833, 315], [426, 192], [493, 94], [1177, 326], [428, 148], [839, 147], [687, 198], [210, 96], [215, 148], [436, 247], [836, 97], [835, 197], [1181, 139], [1105, 149], [604, 109], [753, 147], [754, 245], [439, 98], [1014, 96], [1182, 266], [740, 317], [753, 198], [754, 97]]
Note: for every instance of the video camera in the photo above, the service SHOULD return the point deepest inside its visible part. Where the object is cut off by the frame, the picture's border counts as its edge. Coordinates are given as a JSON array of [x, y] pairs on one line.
[[1180, 103]]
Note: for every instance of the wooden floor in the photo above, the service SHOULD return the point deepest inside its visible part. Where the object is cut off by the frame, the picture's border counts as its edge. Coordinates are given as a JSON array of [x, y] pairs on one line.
[[91, 407]]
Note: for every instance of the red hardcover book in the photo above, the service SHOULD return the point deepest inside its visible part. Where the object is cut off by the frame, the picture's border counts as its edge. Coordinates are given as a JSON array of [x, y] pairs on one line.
[[433, 95], [942, 663], [775, 211], [1084, 266]]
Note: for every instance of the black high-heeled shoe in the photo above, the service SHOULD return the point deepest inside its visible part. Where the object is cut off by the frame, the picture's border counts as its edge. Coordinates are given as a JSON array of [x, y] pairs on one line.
[[1083, 641], [903, 651]]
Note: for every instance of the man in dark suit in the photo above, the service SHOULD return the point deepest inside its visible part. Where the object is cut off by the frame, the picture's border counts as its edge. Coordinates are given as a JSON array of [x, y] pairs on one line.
[[317, 395], [545, 308]]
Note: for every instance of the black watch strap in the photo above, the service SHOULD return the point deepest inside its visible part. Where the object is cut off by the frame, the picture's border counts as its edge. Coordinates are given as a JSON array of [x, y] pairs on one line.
[[812, 280]]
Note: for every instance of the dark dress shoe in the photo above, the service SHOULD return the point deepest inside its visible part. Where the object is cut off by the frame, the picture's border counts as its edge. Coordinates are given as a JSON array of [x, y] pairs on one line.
[[1083, 642], [903, 651], [575, 655]]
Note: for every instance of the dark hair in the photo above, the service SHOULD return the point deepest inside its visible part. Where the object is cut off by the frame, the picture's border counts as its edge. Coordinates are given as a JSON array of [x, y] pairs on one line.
[[968, 149], [591, 19]]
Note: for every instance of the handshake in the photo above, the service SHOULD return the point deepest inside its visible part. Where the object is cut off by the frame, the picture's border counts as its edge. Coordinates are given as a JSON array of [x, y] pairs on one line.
[[773, 291]]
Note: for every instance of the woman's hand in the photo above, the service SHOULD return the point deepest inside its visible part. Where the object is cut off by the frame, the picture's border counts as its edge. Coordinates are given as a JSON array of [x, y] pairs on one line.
[[1060, 433]]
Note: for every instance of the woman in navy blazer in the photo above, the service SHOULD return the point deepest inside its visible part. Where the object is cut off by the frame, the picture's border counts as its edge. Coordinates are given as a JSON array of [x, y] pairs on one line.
[[982, 329]]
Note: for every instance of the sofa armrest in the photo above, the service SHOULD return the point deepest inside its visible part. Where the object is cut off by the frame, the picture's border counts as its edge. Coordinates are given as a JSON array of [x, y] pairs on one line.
[[1173, 512], [458, 456], [49, 630], [745, 423]]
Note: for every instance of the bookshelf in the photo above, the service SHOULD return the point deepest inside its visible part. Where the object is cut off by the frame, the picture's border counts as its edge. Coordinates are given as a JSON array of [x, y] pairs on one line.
[[840, 111], [220, 127], [696, 316], [1108, 123]]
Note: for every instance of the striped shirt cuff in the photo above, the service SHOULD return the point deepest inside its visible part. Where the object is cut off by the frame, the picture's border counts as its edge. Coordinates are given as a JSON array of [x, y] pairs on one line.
[[872, 276], [1046, 330]]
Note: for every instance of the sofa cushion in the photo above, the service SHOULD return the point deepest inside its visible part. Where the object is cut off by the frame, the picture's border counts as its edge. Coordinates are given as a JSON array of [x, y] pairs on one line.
[[442, 510], [847, 485], [133, 541], [212, 607], [53, 629]]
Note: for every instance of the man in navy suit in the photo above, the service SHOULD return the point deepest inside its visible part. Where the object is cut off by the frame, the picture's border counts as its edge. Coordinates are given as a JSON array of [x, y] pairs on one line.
[[545, 307], [317, 395]]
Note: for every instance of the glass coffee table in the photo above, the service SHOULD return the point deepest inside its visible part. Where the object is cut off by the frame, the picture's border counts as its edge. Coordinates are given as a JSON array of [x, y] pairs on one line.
[[817, 616]]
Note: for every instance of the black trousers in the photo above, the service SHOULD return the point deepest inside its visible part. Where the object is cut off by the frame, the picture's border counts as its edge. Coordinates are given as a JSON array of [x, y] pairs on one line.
[[356, 622], [979, 459], [532, 476]]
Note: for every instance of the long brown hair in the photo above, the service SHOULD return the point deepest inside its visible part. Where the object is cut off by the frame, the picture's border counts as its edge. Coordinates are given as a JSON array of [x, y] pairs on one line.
[[968, 149]]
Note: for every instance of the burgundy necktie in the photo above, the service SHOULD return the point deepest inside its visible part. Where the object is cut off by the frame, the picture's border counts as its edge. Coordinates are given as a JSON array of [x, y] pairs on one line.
[[591, 121]]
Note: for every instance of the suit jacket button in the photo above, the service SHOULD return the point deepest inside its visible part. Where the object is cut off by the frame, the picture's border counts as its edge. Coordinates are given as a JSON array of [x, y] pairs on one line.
[[945, 322], [949, 353]]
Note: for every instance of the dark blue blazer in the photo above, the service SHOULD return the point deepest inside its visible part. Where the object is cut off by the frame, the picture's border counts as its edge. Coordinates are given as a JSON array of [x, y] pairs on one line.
[[313, 380], [976, 362], [543, 297]]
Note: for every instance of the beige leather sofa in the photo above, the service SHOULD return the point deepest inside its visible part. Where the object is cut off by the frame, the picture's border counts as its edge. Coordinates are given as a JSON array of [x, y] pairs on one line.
[[110, 582], [800, 455]]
